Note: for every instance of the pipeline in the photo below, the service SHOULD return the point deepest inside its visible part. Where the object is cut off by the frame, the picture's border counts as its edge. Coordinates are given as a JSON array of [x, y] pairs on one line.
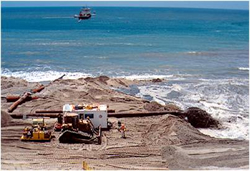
[[60, 111], [54, 114], [27, 95], [49, 111], [19, 101], [21, 116], [36, 90], [144, 114], [15, 98], [58, 78]]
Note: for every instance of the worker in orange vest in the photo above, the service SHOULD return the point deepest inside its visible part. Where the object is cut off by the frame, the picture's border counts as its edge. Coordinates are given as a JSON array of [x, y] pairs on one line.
[[122, 130]]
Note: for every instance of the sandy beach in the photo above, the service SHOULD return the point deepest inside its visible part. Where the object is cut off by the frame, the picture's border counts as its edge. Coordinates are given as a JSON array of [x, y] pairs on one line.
[[153, 142]]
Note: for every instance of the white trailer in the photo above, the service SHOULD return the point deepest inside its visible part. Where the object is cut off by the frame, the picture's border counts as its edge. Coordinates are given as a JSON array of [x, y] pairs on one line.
[[98, 114]]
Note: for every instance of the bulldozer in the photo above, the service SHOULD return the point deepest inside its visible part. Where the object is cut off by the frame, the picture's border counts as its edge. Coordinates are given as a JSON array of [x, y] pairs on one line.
[[38, 131], [78, 130]]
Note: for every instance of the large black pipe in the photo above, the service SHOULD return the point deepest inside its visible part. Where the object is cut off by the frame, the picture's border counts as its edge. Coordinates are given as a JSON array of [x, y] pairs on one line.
[[143, 114], [54, 114]]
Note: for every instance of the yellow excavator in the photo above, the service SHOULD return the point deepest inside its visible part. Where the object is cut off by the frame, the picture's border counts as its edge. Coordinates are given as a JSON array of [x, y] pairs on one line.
[[37, 132]]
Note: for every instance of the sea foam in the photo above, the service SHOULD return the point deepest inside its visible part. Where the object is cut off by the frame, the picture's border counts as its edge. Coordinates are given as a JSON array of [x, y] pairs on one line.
[[145, 77], [226, 100], [243, 69], [38, 76]]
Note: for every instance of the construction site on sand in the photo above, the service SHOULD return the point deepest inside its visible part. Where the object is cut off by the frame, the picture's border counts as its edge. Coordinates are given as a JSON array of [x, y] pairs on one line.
[[86, 123]]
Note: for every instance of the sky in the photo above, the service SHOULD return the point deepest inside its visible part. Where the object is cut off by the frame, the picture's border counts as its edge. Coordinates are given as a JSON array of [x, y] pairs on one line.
[[242, 5]]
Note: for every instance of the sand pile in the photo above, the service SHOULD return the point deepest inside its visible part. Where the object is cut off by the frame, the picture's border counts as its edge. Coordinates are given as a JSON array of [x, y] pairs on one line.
[[10, 82], [113, 82], [66, 91], [154, 106], [175, 157], [172, 130], [207, 155], [5, 118]]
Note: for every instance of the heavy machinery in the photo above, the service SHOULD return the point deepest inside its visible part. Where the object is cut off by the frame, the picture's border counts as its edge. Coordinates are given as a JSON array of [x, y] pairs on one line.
[[37, 132], [79, 130]]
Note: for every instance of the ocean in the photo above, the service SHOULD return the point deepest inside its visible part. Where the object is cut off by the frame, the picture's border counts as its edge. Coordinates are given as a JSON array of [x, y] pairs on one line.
[[202, 53]]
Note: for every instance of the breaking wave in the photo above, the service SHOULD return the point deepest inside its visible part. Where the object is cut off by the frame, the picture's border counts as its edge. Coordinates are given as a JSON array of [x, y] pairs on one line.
[[153, 76], [145, 77], [38, 76], [243, 69], [44, 73], [193, 53], [226, 100]]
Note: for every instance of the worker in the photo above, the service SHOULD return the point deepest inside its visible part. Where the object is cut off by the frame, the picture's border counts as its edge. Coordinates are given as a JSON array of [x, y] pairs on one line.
[[122, 130], [91, 125], [39, 127], [89, 121], [29, 134], [25, 131], [119, 125], [43, 128], [35, 130], [60, 119]]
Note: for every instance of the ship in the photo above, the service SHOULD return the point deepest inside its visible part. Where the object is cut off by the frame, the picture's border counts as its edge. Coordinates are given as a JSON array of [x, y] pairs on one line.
[[84, 14]]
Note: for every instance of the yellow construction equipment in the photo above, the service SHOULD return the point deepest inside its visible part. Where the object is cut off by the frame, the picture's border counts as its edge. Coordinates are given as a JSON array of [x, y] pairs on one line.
[[37, 132]]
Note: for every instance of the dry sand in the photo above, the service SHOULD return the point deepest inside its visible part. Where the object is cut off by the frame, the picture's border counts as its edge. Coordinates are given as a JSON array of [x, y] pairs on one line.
[[156, 142]]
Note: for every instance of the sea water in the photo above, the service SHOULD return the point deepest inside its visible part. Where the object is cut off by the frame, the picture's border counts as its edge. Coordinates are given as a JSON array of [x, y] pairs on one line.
[[202, 53]]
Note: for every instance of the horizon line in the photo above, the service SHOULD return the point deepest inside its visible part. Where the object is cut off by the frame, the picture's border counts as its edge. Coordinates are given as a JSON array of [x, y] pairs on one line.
[[125, 7]]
